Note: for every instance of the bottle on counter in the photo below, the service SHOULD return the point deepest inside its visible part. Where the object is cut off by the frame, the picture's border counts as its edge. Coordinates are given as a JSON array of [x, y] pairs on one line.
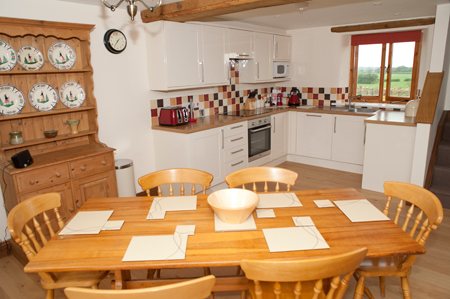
[[279, 97]]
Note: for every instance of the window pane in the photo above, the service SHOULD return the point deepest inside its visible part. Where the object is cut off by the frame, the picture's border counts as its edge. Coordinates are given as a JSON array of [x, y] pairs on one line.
[[369, 61], [402, 69]]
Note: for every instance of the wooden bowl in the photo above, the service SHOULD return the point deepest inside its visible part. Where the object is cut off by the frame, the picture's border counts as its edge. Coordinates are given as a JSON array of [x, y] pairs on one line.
[[51, 133], [233, 206]]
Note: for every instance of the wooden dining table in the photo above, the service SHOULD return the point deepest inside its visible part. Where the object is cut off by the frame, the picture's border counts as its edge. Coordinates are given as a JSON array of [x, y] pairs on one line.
[[208, 248]]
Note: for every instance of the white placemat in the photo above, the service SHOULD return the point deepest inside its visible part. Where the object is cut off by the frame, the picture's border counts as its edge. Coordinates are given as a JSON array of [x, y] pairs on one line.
[[323, 203], [86, 223], [160, 205], [156, 248], [278, 200], [265, 213], [294, 238], [221, 226], [360, 210]]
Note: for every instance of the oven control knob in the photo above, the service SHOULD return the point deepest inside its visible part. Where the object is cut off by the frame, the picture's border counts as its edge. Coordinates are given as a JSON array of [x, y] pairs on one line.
[[253, 124]]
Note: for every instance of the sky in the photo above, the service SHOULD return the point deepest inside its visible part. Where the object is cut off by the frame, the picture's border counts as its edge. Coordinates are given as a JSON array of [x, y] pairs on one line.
[[370, 55]]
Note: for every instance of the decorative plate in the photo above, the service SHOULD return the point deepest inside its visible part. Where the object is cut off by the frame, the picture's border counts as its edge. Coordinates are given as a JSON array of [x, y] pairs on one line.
[[8, 57], [72, 94], [11, 100], [30, 58], [61, 56], [43, 97]]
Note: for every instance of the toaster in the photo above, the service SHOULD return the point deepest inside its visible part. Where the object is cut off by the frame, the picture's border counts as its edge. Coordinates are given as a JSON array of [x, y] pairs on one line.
[[173, 116]]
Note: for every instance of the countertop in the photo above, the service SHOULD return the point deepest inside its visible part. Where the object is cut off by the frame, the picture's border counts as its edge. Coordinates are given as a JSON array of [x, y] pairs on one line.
[[214, 121]]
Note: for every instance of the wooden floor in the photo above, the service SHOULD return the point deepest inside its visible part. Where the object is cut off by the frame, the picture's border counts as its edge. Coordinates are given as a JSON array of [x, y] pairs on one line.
[[429, 279]]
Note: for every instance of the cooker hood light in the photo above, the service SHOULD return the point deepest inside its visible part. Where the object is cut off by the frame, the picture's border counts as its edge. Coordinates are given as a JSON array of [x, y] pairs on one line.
[[131, 7]]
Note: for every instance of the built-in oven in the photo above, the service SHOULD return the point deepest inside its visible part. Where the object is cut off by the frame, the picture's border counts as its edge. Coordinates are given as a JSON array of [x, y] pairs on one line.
[[258, 138]]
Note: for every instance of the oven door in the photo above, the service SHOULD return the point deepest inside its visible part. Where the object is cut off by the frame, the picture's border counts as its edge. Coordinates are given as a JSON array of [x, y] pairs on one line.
[[258, 142]]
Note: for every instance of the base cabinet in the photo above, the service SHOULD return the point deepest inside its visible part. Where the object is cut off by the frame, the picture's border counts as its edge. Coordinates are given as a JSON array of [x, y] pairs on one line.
[[279, 137], [332, 137], [99, 185]]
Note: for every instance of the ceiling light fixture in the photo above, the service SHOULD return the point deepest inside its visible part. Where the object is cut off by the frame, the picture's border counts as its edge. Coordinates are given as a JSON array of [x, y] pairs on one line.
[[131, 7], [302, 5]]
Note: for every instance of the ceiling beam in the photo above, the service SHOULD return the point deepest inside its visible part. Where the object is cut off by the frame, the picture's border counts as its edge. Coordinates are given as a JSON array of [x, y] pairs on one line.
[[384, 25], [194, 10]]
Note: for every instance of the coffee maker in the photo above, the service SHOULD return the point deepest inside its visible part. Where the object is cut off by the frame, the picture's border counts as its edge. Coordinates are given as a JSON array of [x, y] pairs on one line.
[[294, 97]]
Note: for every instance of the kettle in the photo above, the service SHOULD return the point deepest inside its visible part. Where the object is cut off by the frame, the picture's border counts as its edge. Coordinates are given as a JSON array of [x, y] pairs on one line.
[[294, 97]]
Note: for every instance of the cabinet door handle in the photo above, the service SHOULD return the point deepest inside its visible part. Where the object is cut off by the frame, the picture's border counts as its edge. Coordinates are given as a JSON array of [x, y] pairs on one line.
[[232, 165], [32, 182], [77, 204], [71, 209], [223, 138], [276, 49], [202, 77], [238, 151], [233, 140], [257, 70], [335, 124], [273, 121], [236, 127], [104, 162], [313, 115], [83, 168], [57, 174]]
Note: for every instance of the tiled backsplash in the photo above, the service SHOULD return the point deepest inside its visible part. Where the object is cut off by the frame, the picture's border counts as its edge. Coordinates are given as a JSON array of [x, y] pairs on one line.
[[230, 97]]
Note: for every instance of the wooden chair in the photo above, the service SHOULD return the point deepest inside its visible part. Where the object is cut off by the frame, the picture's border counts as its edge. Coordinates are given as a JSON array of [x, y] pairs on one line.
[[194, 289], [302, 278], [427, 217], [176, 175], [26, 229], [262, 174]]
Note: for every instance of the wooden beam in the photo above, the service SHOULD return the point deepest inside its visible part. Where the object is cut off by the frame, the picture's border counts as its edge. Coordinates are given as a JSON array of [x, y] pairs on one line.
[[384, 25], [193, 10]]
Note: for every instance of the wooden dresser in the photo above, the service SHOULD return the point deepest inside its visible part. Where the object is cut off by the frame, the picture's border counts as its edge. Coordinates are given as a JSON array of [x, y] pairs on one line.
[[78, 166]]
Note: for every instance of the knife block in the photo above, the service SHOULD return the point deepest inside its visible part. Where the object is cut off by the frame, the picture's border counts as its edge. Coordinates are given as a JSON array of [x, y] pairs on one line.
[[250, 104]]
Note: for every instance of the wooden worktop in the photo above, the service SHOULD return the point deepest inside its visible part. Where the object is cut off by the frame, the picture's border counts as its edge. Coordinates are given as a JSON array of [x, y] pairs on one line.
[[213, 121]]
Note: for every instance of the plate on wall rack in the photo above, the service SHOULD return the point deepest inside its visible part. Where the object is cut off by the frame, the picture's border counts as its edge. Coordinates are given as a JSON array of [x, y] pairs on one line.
[[61, 56], [30, 58], [43, 97], [72, 94], [8, 57], [11, 100]]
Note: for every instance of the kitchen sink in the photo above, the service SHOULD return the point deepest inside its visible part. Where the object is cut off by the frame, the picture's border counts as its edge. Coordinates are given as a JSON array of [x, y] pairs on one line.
[[361, 110]]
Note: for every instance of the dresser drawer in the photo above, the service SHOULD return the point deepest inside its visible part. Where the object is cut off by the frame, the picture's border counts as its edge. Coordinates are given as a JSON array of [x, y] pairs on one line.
[[88, 166], [240, 151], [238, 164], [43, 177], [235, 129], [235, 140]]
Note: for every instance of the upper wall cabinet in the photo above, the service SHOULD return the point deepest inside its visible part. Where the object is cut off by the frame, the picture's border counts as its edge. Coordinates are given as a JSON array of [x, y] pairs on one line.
[[282, 46], [240, 43], [186, 55], [259, 69]]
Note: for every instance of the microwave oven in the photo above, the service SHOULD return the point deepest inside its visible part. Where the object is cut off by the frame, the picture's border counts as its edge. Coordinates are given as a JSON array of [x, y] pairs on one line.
[[280, 69]]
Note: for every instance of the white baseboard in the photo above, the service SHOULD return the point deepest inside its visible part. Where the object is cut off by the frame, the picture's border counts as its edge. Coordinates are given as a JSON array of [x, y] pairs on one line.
[[354, 168]]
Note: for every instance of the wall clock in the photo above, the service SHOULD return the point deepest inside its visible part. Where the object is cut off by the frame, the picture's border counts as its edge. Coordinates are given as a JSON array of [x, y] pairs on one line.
[[115, 41]]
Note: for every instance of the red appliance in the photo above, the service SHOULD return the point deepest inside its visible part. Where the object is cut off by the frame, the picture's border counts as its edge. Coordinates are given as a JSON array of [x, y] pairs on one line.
[[294, 97], [173, 116]]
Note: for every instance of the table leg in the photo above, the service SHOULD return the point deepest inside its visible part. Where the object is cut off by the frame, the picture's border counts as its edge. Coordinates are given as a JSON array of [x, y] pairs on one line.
[[121, 276]]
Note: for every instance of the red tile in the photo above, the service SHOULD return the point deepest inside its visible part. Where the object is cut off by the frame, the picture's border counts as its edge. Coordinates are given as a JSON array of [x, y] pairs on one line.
[[179, 101], [206, 97], [216, 110], [233, 101], [229, 94], [339, 90], [225, 88], [236, 74], [320, 102], [154, 112], [211, 104], [283, 89], [315, 96], [310, 90]]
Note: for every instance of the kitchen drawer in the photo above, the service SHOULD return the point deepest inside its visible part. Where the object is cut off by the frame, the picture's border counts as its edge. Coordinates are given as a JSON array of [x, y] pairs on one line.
[[239, 163], [42, 177], [235, 129], [88, 166], [235, 140], [236, 152]]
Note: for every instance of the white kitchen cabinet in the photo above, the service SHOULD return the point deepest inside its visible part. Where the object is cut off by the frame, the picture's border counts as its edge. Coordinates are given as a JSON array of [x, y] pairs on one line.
[[314, 135], [218, 151], [348, 139], [240, 43], [338, 138], [259, 69], [282, 45], [181, 55], [279, 137]]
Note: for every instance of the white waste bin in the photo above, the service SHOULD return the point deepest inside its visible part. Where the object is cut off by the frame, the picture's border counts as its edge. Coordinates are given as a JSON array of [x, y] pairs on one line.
[[125, 178]]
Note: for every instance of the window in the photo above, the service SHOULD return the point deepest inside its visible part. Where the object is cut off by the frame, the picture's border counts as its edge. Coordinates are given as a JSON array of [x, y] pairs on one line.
[[384, 67]]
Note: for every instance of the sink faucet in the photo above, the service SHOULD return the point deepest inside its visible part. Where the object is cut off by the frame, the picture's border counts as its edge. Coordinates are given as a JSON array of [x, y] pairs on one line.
[[353, 97]]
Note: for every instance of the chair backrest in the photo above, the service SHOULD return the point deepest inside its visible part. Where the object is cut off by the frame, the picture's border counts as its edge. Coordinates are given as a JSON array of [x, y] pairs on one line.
[[254, 175], [175, 175], [301, 278], [193, 289], [429, 214], [36, 209]]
